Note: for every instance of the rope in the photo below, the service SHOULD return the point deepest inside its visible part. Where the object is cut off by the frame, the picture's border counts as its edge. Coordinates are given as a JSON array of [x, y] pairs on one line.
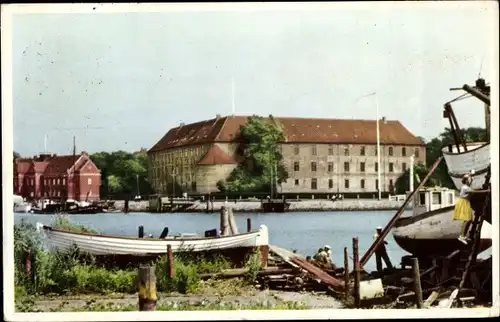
[[461, 97]]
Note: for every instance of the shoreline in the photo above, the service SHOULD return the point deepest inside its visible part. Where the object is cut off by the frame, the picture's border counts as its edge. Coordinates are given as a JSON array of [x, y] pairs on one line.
[[314, 205]]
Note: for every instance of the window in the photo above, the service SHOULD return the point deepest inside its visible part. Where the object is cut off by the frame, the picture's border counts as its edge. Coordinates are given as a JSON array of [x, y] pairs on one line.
[[346, 183], [346, 151], [89, 181], [296, 149], [64, 181], [314, 150], [330, 183], [403, 151], [296, 166], [53, 181], [193, 186], [391, 167], [330, 166], [296, 182], [362, 183], [362, 150], [436, 198], [391, 183], [314, 184], [376, 166], [313, 166], [346, 166], [390, 151], [330, 150], [417, 152], [362, 167], [376, 151], [376, 185], [403, 166]]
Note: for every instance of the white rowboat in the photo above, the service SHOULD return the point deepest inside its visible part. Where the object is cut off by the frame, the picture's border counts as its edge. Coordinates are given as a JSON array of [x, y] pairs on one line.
[[97, 244], [477, 158]]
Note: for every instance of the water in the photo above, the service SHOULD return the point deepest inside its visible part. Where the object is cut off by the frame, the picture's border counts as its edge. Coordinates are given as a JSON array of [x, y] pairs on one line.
[[303, 231]]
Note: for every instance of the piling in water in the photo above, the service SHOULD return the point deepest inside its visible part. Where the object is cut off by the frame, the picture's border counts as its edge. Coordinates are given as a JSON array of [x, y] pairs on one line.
[[346, 273], [249, 224]]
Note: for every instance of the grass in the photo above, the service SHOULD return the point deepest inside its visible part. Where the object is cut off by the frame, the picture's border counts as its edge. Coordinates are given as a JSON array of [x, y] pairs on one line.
[[72, 272]]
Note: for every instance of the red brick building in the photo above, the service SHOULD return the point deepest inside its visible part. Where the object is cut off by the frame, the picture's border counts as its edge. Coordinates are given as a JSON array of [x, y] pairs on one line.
[[57, 177]]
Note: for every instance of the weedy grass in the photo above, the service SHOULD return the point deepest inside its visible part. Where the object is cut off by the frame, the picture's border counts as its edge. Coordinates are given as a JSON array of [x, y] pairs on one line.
[[72, 272]]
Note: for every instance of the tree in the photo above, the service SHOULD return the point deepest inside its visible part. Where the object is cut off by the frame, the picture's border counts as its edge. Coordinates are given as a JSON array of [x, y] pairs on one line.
[[16, 155], [262, 158], [402, 184]]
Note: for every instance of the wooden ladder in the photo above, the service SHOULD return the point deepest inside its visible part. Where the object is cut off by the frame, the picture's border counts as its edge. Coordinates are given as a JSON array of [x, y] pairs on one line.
[[472, 248]]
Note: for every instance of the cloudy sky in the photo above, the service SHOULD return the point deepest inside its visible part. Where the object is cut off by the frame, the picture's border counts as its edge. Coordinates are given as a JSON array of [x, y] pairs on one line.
[[121, 80]]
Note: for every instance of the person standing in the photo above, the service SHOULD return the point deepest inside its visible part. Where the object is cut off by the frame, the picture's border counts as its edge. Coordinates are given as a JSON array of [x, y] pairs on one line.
[[463, 209], [381, 252]]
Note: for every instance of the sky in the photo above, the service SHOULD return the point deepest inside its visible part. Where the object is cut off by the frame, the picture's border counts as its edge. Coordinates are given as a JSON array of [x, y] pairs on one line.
[[120, 81]]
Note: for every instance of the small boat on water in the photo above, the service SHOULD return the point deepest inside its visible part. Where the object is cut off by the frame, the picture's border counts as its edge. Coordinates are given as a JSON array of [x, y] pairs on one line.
[[430, 229], [68, 207], [20, 205], [109, 245]]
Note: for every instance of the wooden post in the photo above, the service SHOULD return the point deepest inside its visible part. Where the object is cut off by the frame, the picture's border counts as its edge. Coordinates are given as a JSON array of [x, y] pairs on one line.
[[249, 224], [27, 264], [346, 273], [170, 261], [417, 288], [147, 288], [224, 221], [356, 266], [232, 222], [141, 232]]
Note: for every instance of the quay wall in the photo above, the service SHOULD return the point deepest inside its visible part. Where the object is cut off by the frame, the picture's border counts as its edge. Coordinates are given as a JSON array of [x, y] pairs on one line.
[[303, 205]]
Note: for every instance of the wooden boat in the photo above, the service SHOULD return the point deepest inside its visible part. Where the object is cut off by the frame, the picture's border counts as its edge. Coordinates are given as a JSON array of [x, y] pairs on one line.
[[430, 229], [476, 158], [274, 205], [103, 245]]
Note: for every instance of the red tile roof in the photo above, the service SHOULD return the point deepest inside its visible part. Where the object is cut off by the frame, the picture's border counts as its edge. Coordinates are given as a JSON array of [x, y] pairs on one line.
[[215, 155], [60, 164], [297, 130]]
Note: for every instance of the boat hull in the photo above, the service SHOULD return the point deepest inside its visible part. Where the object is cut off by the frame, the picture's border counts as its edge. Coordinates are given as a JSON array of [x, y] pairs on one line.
[[434, 233], [477, 158], [95, 244]]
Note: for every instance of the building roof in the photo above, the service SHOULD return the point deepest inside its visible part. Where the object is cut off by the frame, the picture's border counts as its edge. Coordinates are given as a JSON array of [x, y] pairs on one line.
[[50, 164], [21, 166], [297, 130], [215, 155], [60, 164]]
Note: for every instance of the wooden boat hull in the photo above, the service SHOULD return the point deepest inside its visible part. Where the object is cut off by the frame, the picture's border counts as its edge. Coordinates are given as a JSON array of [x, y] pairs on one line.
[[477, 158], [434, 233], [104, 245]]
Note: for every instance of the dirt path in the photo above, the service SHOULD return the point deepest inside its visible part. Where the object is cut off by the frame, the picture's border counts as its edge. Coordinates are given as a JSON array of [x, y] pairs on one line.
[[266, 298]]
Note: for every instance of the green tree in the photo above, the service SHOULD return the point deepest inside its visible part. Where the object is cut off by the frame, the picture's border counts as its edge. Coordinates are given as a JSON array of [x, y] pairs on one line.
[[16, 155], [402, 184], [262, 158]]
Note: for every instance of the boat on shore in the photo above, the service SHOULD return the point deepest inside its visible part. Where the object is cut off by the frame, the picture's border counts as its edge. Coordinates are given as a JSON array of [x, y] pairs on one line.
[[134, 248], [430, 229]]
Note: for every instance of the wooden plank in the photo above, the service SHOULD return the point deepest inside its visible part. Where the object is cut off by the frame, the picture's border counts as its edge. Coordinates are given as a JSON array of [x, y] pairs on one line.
[[323, 276], [398, 214], [147, 288], [431, 299], [285, 254], [355, 260], [417, 288]]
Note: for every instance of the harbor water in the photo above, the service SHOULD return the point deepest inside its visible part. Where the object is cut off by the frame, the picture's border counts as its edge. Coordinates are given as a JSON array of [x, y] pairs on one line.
[[303, 231]]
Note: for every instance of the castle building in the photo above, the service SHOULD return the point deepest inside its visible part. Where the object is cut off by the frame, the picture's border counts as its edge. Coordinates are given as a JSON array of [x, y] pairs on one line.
[[321, 155]]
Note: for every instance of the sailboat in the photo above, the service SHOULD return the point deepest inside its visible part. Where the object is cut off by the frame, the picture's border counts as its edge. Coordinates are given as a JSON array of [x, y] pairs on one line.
[[433, 231]]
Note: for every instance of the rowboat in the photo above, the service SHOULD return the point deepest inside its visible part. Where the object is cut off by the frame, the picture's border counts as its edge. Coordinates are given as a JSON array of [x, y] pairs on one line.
[[476, 158], [430, 229], [109, 245]]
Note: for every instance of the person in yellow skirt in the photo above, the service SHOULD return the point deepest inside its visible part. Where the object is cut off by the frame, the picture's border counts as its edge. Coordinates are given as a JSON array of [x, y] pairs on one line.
[[463, 209]]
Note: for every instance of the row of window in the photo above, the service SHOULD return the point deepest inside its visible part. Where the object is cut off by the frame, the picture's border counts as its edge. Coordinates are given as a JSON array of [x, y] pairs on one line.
[[47, 182], [362, 151], [362, 167], [314, 183]]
